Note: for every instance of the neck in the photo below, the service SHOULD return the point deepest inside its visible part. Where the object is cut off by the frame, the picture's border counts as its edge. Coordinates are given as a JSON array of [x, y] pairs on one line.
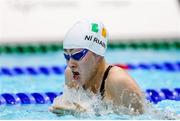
[[93, 84]]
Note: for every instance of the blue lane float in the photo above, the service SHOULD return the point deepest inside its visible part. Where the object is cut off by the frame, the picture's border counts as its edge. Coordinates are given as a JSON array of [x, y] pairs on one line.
[[26, 98], [58, 70], [152, 95]]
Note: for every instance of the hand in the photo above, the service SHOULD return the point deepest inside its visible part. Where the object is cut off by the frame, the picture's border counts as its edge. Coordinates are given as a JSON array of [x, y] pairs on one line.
[[65, 107], [65, 110]]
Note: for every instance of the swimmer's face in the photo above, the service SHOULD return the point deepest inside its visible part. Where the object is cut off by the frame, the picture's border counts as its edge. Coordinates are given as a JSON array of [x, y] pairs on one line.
[[82, 64]]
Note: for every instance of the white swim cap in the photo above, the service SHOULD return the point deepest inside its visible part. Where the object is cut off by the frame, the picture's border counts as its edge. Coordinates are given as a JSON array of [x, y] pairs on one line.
[[88, 34]]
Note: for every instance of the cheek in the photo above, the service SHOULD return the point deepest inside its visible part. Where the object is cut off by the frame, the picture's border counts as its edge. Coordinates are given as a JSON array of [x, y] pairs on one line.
[[86, 65], [85, 60], [90, 63]]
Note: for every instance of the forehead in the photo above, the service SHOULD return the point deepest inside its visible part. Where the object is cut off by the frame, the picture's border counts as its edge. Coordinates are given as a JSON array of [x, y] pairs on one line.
[[72, 50]]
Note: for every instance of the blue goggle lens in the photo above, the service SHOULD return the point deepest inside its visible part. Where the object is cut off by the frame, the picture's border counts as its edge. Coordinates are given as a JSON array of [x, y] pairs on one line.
[[67, 57], [76, 56]]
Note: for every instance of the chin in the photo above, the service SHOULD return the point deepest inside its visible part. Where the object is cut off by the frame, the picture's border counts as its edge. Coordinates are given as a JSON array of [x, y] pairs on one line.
[[81, 82]]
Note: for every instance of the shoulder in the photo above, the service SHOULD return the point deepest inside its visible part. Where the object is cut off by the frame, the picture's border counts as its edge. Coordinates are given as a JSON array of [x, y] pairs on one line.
[[122, 88], [119, 79], [117, 75]]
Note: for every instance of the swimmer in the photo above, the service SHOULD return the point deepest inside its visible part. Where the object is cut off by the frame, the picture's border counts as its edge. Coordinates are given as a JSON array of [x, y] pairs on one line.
[[84, 47]]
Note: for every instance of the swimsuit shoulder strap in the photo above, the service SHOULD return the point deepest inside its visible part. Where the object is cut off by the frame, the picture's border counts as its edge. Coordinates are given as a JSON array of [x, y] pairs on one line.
[[103, 81]]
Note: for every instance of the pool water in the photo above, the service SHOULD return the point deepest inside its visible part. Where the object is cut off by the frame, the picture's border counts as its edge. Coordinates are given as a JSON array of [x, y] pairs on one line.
[[163, 110], [146, 78]]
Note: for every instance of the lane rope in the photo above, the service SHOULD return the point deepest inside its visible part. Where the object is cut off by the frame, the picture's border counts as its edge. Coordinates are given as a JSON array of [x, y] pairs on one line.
[[57, 46], [152, 95], [58, 70]]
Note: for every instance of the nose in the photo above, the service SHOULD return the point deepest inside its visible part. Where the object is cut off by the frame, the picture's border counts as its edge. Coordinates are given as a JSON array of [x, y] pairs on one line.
[[72, 64]]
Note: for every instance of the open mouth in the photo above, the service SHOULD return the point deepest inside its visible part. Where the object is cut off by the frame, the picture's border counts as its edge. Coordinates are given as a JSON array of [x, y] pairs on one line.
[[75, 75]]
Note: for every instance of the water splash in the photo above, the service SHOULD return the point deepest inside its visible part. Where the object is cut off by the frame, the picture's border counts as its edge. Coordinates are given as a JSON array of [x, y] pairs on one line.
[[95, 108]]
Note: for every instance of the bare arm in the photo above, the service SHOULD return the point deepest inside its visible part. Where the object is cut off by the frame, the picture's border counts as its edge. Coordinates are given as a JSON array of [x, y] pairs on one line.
[[123, 90]]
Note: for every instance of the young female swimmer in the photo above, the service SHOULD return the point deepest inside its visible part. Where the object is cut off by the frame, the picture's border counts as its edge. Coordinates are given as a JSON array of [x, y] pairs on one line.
[[84, 48]]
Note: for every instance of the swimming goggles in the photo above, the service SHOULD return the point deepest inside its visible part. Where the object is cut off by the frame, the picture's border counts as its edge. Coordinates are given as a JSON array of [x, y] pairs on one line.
[[77, 55]]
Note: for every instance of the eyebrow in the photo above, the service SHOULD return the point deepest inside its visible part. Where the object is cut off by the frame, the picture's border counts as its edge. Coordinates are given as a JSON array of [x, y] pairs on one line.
[[69, 50]]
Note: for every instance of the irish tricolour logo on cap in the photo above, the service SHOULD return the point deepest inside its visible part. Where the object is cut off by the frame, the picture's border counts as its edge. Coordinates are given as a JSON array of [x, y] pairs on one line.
[[94, 38], [95, 28], [103, 32]]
